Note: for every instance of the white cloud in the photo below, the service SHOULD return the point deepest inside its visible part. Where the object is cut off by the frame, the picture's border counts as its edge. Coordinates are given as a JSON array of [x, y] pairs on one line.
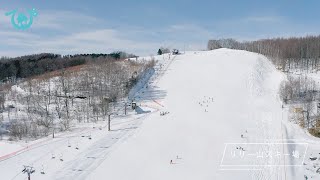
[[70, 33], [264, 19], [94, 41], [192, 29], [64, 20], [103, 40]]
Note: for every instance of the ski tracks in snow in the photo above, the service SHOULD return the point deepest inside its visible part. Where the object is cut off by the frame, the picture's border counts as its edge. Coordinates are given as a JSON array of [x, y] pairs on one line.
[[266, 121], [91, 159], [71, 163]]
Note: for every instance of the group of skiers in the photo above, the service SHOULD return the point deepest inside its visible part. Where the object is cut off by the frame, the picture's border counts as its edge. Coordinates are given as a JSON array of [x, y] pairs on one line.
[[164, 113], [177, 158], [205, 103], [242, 136]]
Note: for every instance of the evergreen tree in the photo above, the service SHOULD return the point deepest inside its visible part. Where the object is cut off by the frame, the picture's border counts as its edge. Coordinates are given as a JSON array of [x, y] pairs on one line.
[[159, 52]]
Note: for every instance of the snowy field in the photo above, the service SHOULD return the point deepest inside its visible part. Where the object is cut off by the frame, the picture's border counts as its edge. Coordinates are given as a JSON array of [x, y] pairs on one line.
[[6, 148], [224, 120]]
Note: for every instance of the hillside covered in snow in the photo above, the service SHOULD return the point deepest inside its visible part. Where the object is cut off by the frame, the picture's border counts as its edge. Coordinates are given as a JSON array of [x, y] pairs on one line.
[[200, 115]]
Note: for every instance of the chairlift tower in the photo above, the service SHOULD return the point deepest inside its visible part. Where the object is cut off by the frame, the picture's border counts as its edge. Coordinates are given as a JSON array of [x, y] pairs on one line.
[[28, 170]]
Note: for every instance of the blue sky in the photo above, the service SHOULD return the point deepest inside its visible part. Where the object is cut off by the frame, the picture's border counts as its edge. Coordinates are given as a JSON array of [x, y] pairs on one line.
[[142, 26]]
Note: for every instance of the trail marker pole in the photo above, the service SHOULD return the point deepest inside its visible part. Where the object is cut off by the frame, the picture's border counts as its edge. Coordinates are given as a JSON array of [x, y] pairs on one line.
[[109, 119], [125, 108]]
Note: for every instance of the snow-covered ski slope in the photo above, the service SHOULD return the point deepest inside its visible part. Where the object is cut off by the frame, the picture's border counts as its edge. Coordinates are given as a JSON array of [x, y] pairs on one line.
[[217, 102], [213, 97]]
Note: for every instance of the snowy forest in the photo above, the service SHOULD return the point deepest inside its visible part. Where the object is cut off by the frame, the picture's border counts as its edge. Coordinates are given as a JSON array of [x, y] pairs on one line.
[[12, 69], [63, 91]]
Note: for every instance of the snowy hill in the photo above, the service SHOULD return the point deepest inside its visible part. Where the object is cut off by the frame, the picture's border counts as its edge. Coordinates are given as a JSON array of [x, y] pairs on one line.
[[223, 120], [213, 97]]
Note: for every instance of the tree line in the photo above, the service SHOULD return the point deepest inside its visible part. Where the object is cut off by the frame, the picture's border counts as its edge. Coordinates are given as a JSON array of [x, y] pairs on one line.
[[36, 64], [302, 53]]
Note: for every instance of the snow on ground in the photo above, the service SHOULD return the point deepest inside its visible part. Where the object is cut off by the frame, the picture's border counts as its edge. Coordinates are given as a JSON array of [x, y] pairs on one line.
[[6, 148], [223, 120], [72, 155], [213, 98]]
